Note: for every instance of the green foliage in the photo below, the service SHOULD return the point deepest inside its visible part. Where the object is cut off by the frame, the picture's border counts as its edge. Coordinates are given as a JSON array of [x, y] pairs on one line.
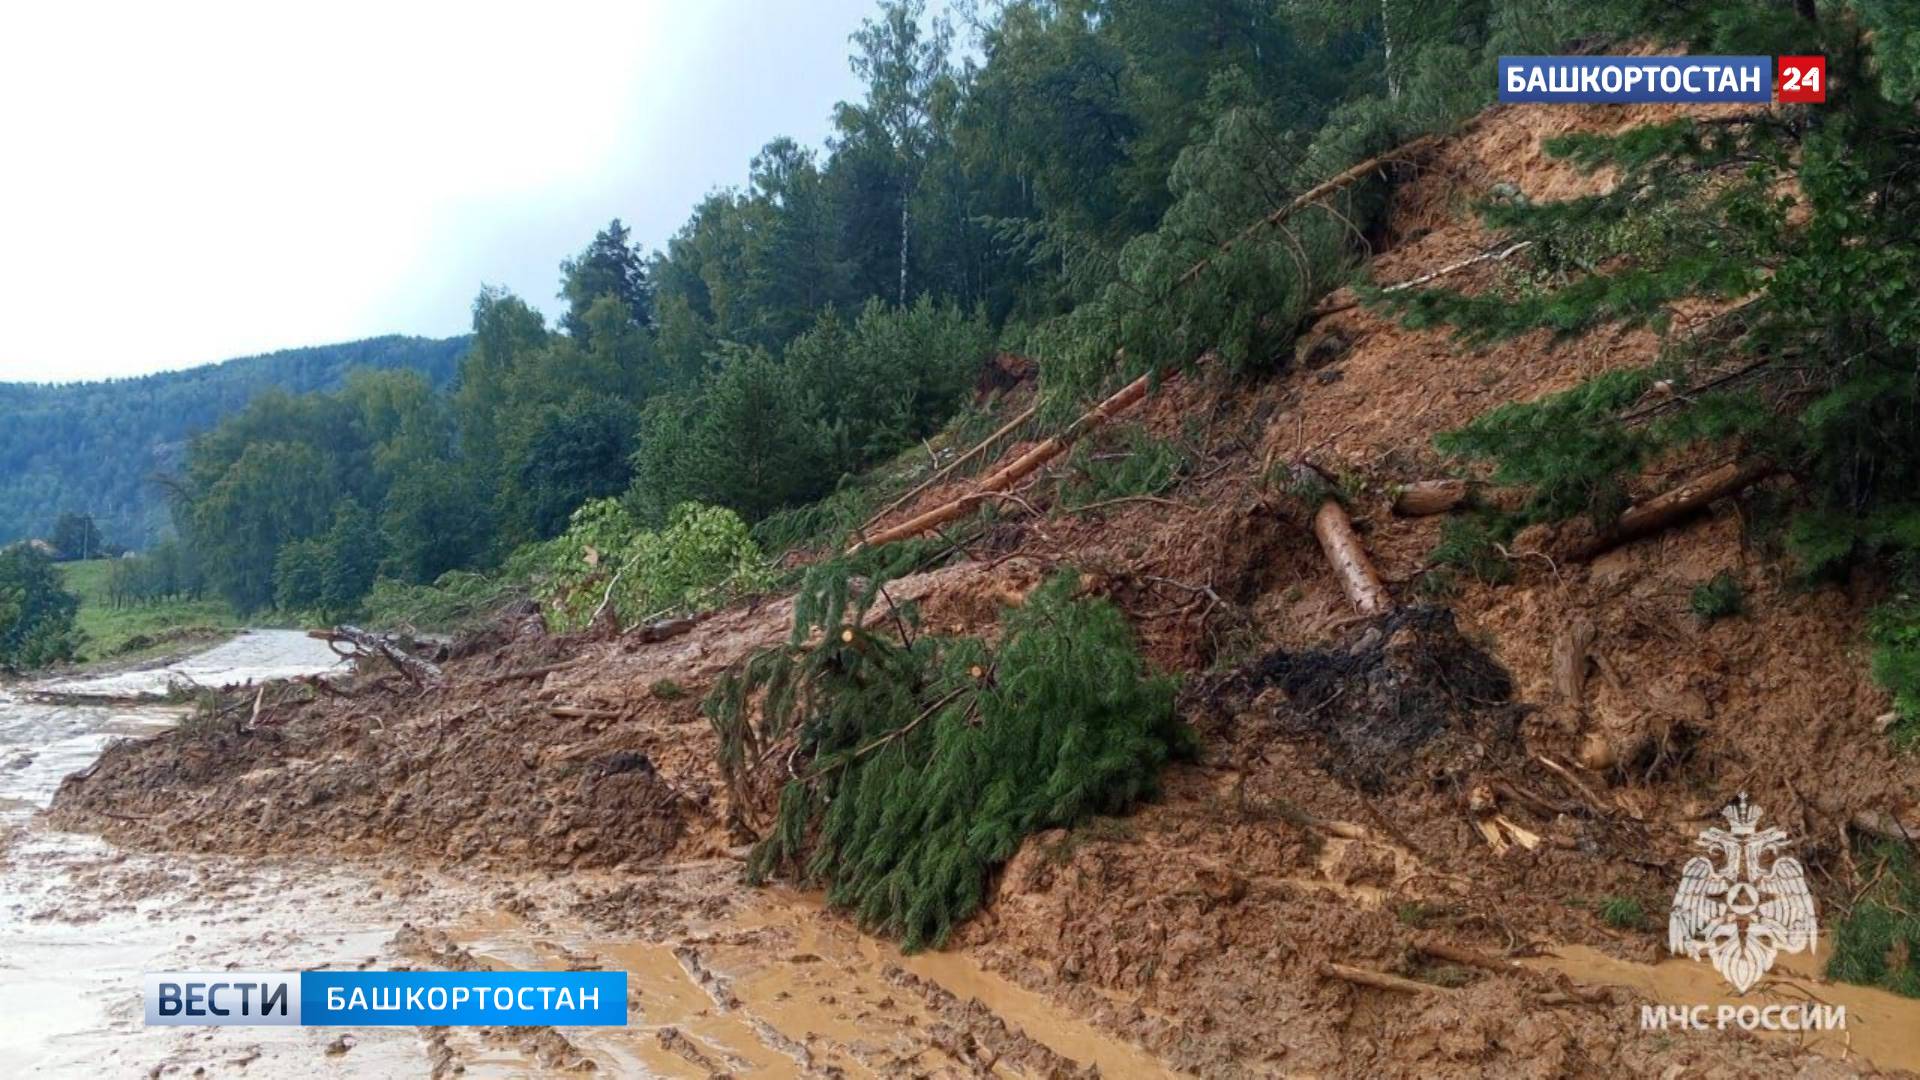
[[762, 434], [36, 611], [1623, 913], [1894, 631], [929, 759], [1472, 543], [458, 600], [1876, 942], [1566, 447], [171, 571], [1145, 466], [138, 604], [703, 557], [1718, 597], [609, 267], [75, 536]]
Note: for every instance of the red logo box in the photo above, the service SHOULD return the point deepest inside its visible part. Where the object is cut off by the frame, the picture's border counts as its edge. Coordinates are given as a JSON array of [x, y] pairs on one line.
[[1800, 78]]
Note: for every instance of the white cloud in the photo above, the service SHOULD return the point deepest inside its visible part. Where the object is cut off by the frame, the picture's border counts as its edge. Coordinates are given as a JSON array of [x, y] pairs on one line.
[[187, 182]]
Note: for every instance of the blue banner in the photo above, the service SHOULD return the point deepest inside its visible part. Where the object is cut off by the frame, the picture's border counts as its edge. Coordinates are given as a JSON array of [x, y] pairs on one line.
[[491, 998], [1633, 79]]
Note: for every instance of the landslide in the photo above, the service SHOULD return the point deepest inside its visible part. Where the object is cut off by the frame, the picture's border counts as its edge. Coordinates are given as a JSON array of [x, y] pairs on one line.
[[1335, 815]]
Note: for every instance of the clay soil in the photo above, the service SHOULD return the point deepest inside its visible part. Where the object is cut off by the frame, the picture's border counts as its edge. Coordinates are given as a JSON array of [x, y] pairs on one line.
[[1318, 827]]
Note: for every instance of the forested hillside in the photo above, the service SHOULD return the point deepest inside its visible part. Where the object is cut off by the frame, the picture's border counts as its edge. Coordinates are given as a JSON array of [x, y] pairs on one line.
[[97, 447], [836, 307]]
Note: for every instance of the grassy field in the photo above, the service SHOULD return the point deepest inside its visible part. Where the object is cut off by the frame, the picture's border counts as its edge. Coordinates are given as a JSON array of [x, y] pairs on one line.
[[141, 628]]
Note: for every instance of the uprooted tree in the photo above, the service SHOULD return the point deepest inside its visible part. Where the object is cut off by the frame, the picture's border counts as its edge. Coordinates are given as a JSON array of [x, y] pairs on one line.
[[908, 764]]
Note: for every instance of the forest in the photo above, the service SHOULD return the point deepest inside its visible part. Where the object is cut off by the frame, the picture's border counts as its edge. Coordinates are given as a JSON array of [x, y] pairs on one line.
[[98, 448]]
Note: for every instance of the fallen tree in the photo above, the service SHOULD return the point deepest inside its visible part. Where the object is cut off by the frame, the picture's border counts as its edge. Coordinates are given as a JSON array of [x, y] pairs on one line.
[[947, 470], [1003, 479], [1452, 268], [1425, 498], [361, 644], [1664, 509]]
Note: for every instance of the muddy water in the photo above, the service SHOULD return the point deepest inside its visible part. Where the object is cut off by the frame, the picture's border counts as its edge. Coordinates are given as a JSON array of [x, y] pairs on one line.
[[777, 987], [80, 922], [721, 978], [1882, 1029]]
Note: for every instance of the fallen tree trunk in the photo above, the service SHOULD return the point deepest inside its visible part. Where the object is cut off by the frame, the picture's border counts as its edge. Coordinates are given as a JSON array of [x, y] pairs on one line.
[[1307, 198], [1668, 507], [365, 643], [1413, 283], [1343, 549], [1380, 980], [1013, 472], [947, 470]]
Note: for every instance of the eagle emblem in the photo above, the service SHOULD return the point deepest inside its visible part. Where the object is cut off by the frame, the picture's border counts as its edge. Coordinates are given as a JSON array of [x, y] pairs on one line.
[[1746, 908]]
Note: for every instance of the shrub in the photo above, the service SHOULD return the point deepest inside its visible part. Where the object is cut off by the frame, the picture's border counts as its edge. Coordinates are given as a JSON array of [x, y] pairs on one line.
[[1718, 597], [703, 557], [36, 612], [1472, 544]]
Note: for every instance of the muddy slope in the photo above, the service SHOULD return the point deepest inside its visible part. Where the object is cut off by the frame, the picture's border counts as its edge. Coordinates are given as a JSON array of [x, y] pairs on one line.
[[1202, 928]]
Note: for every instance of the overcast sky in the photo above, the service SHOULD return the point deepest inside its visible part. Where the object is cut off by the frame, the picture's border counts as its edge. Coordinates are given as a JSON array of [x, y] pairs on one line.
[[188, 182]]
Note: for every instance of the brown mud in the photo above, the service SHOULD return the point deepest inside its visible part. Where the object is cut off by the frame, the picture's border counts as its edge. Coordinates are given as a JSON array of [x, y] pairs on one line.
[[1339, 814]]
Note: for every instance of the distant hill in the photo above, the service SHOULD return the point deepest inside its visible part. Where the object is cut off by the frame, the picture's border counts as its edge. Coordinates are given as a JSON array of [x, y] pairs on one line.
[[93, 447]]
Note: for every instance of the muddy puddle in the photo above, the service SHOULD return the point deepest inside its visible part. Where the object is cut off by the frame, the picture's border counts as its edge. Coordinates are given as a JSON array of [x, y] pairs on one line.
[[779, 987]]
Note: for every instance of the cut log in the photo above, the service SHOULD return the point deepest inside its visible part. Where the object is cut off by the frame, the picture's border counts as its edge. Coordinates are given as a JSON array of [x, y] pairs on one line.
[[1424, 498], [1004, 478], [1668, 507], [1428, 497], [1344, 551]]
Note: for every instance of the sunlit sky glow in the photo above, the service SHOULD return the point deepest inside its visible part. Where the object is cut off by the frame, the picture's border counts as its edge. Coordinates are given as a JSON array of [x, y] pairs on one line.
[[184, 183]]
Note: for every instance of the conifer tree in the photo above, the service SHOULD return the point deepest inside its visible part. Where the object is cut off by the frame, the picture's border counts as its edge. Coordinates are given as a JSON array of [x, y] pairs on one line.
[[923, 761]]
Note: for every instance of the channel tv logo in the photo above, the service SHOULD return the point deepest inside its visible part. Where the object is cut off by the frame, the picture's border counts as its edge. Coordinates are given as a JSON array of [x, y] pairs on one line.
[[1626, 80], [202, 998], [386, 998]]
